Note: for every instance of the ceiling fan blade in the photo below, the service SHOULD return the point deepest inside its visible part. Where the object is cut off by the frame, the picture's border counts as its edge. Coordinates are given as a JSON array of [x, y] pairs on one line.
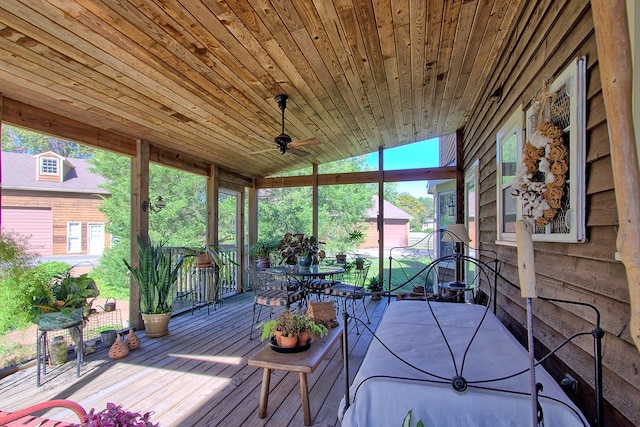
[[266, 150], [304, 143]]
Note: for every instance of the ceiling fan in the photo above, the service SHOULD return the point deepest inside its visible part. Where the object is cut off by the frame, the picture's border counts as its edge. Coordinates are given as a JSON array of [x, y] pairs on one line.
[[283, 141]]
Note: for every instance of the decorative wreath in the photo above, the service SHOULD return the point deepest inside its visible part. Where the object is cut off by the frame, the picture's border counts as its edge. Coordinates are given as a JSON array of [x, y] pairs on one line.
[[540, 179]]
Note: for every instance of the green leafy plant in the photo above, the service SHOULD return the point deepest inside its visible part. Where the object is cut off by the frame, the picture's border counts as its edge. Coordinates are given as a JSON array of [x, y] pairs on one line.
[[156, 276], [63, 293], [407, 420], [375, 284], [264, 247], [291, 324]]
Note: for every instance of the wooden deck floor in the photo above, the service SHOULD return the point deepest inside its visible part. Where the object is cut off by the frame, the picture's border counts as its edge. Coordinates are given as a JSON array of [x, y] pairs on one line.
[[195, 376]]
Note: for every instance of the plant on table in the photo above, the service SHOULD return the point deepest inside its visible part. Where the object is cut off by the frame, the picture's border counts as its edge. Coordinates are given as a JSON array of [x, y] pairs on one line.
[[291, 325], [294, 246]]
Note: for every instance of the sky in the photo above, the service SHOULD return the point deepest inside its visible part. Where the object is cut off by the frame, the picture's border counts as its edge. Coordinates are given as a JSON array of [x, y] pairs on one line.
[[422, 154]]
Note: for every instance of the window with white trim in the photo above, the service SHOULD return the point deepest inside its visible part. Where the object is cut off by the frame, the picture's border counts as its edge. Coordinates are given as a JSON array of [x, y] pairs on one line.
[[563, 106], [509, 147], [48, 166]]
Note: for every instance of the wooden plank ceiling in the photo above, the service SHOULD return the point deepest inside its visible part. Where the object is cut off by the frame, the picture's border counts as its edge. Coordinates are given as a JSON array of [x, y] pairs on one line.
[[199, 77]]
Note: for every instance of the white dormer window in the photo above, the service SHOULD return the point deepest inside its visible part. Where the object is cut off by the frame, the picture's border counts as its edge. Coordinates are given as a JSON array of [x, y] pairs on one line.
[[48, 166]]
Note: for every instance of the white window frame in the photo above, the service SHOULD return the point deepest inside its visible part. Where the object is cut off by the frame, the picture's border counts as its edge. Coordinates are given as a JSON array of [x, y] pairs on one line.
[[513, 126], [574, 76], [71, 224], [472, 175], [52, 161]]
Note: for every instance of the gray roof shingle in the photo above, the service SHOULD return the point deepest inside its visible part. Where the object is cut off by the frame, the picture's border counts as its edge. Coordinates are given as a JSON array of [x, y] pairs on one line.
[[19, 173]]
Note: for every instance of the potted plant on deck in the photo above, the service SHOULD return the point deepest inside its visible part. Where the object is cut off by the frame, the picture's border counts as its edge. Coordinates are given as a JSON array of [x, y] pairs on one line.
[[375, 286], [156, 276]]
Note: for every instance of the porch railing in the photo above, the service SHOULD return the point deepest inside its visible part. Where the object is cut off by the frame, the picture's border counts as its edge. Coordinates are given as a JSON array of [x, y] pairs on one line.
[[197, 286]]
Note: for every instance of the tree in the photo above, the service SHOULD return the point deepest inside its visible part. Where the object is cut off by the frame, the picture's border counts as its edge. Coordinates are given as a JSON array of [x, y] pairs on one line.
[[18, 140], [180, 223], [342, 208], [414, 207]]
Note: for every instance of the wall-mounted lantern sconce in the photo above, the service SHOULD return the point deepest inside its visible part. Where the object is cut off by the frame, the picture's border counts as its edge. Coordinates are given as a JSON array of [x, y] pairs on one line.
[[155, 207], [451, 207]]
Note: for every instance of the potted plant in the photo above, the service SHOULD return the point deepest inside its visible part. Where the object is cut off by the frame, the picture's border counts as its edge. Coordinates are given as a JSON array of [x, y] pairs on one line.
[[308, 328], [295, 248], [261, 250], [289, 327], [64, 300], [156, 276], [354, 237], [375, 286], [114, 415]]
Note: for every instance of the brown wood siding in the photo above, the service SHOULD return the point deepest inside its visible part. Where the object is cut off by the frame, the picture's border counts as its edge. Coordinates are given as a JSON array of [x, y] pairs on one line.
[[396, 233], [67, 207], [447, 150], [547, 36]]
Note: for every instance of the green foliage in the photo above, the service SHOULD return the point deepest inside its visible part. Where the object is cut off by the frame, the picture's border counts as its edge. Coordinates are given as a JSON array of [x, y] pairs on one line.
[[407, 420], [181, 223], [291, 324], [375, 284], [264, 247], [414, 207], [15, 267], [113, 278], [156, 276], [18, 140]]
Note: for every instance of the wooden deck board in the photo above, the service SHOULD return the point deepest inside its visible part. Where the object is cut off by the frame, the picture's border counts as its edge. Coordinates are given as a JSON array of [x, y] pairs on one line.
[[196, 375]]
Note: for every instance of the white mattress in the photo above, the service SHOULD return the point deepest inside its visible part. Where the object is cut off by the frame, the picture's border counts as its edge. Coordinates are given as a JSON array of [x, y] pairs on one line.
[[409, 329]]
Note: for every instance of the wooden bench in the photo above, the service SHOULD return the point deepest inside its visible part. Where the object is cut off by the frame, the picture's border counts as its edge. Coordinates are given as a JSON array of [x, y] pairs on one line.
[[304, 362]]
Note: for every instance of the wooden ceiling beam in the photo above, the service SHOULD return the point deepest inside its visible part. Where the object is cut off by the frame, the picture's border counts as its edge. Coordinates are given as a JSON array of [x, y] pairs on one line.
[[421, 174]]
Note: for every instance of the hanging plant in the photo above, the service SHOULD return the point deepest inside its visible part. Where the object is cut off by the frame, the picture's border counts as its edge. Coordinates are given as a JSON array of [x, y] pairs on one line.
[[540, 178]]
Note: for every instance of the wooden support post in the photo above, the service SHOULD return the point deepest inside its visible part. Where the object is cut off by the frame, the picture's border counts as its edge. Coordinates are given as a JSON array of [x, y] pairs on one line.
[[139, 221], [212, 207], [314, 203], [381, 212], [614, 60]]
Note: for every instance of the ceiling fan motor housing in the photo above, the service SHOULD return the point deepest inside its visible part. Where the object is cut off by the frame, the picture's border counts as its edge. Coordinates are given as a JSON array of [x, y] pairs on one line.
[[282, 141]]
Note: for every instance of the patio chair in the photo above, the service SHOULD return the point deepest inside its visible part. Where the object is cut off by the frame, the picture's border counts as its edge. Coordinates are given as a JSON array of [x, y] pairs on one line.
[[272, 290], [24, 417], [318, 285], [351, 289]]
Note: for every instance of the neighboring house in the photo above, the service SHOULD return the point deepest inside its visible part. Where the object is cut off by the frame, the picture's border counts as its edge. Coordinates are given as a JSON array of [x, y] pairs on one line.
[[54, 200], [396, 226]]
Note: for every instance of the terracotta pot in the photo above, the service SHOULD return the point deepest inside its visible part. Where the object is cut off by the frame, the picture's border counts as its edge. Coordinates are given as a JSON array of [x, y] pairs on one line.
[[262, 263], [156, 325], [278, 335], [303, 338], [203, 260], [289, 342]]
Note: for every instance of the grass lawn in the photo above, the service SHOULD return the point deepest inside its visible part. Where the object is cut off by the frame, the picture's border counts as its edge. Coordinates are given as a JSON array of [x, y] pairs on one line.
[[402, 269]]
